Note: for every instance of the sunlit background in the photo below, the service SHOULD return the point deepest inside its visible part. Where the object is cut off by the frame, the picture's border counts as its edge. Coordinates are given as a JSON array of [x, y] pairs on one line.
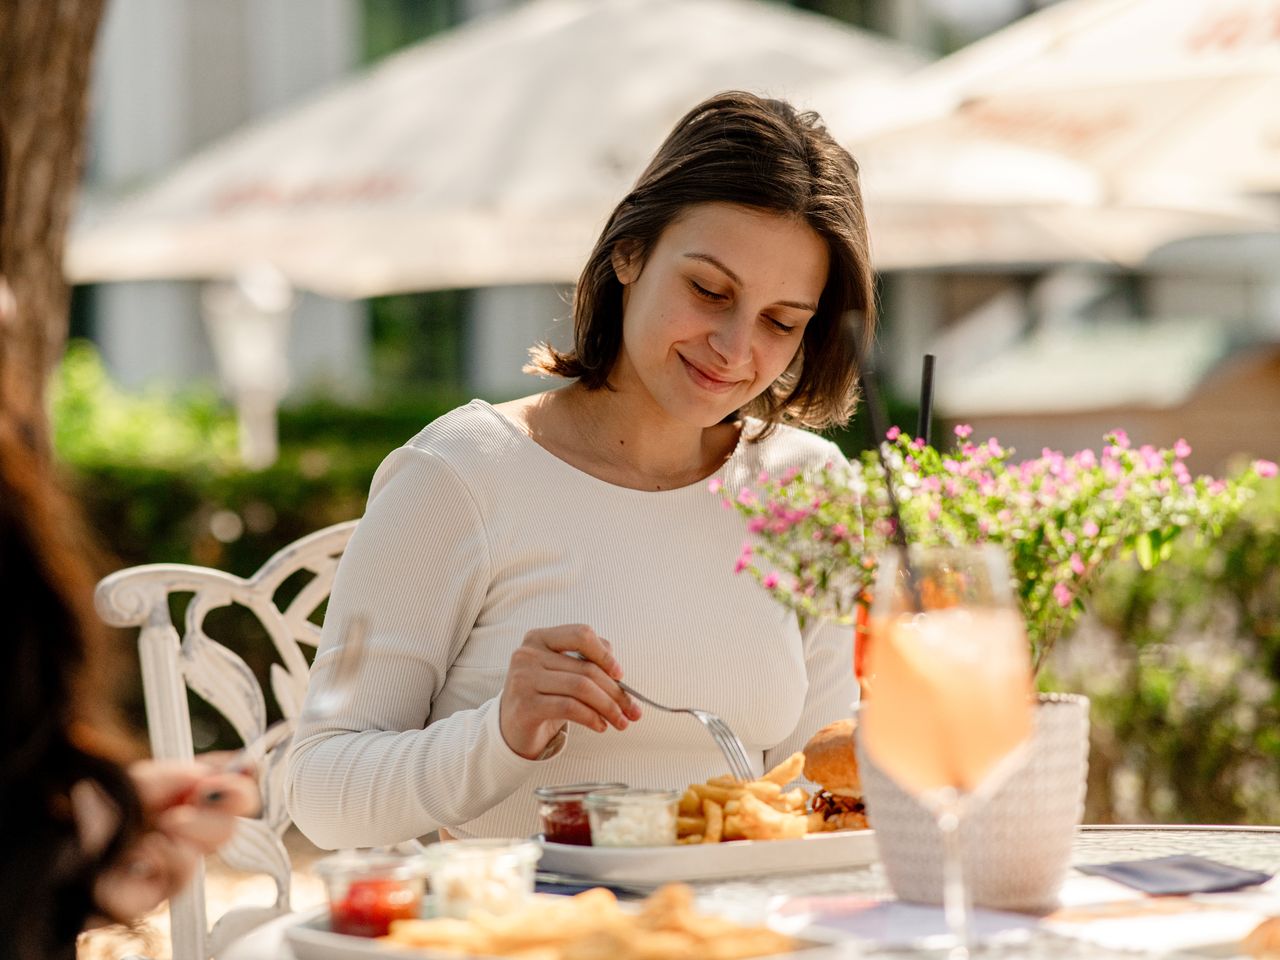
[[311, 226]]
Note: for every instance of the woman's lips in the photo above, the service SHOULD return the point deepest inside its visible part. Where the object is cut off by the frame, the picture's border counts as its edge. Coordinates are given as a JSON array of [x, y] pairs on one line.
[[708, 381]]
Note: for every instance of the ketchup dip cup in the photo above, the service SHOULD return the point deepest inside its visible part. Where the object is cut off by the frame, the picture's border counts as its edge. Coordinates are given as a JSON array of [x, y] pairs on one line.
[[368, 890]]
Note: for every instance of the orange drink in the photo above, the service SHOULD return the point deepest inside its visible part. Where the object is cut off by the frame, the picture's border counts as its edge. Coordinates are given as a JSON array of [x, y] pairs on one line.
[[952, 696]]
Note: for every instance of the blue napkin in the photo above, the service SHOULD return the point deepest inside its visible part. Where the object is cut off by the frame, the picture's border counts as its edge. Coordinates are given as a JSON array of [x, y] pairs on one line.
[[566, 889], [1166, 876]]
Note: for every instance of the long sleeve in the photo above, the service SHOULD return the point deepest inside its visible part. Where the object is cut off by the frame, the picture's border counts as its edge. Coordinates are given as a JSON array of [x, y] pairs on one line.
[[828, 649], [377, 773]]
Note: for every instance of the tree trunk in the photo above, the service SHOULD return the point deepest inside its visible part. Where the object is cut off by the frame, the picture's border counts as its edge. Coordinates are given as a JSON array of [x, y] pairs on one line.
[[46, 52]]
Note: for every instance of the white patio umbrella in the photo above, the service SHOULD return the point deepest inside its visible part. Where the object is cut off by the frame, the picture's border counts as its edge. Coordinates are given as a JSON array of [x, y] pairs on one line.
[[1159, 97], [489, 155], [938, 198], [1096, 129]]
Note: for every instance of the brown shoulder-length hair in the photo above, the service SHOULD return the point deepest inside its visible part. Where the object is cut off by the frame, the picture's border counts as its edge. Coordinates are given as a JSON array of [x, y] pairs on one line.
[[740, 148]]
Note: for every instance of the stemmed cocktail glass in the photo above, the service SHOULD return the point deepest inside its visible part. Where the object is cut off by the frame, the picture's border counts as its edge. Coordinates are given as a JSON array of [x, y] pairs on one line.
[[948, 710]]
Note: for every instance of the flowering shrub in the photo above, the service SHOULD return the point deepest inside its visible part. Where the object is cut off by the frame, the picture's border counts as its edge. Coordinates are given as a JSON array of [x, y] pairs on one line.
[[1061, 519]]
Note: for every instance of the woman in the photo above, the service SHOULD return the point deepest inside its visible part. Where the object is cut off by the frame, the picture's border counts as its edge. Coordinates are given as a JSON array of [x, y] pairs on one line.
[[85, 839], [721, 299], [88, 838]]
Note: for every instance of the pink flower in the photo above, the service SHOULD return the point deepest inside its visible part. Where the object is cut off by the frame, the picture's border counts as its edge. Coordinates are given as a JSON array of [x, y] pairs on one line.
[[1265, 468], [1122, 439], [1062, 593], [764, 476], [744, 558], [715, 485], [839, 531], [964, 431], [1090, 529], [770, 581], [747, 498], [1069, 537], [756, 524], [1077, 565], [892, 434], [1182, 449]]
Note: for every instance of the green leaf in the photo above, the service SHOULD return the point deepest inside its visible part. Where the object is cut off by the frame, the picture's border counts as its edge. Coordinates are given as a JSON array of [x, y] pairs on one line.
[[1146, 548]]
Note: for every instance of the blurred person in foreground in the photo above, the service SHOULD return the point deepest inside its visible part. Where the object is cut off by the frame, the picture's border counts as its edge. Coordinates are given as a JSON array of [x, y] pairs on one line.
[[713, 324], [89, 834]]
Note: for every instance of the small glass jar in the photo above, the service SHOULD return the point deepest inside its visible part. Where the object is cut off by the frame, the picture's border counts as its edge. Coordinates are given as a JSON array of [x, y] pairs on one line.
[[564, 818], [492, 875], [367, 890], [632, 818]]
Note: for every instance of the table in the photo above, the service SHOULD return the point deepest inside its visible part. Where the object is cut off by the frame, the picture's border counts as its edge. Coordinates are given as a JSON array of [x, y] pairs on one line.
[[1251, 847]]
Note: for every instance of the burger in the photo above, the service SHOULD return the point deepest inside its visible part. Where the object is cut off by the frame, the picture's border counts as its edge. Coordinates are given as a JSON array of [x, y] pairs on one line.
[[830, 762]]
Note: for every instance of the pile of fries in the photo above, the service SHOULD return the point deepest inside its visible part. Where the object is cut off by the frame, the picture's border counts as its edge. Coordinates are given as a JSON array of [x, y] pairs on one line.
[[593, 926], [727, 809]]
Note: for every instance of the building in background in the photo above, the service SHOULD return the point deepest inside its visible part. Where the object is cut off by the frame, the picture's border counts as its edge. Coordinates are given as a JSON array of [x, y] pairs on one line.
[[170, 77]]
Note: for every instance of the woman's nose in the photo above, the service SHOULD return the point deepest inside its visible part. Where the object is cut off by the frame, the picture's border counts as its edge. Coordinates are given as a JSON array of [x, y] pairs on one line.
[[731, 340]]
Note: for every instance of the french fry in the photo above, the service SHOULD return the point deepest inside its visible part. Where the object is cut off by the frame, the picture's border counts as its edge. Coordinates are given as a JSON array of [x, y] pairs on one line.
[[766, 790], [720, 795], [715, 821], [690, 839], [592, 926], [761, 822], [690, 804], [733, 828], [724, 780], [787, 770], [794, 799], [688, 825]]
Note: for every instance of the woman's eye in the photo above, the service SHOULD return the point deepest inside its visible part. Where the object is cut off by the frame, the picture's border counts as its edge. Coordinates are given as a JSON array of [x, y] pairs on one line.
[[706, 294], [780, 326]]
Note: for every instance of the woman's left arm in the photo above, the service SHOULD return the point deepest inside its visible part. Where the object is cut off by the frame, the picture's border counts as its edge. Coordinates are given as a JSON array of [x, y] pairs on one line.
[[828, 661]]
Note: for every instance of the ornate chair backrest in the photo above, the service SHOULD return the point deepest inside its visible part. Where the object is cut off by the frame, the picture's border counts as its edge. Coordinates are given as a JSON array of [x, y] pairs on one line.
[[139, 597]]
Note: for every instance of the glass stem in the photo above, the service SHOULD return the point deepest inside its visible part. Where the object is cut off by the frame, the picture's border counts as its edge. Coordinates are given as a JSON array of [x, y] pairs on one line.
[[955, 894]]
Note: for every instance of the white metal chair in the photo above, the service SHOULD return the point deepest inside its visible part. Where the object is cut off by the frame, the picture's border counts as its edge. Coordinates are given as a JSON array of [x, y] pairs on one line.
[[139, 597]]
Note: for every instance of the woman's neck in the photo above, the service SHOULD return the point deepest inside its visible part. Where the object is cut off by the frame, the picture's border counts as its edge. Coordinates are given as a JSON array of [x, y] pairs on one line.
[[602, 432]]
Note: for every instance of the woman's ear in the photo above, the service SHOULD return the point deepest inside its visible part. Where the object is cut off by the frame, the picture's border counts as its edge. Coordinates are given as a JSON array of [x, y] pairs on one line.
[[626, 261]]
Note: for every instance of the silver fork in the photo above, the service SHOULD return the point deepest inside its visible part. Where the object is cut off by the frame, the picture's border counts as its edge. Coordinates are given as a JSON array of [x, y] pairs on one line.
[[725, 738], [325, 704]]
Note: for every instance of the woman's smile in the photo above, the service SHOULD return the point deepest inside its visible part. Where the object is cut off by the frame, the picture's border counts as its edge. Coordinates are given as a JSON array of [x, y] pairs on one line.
[[704, 378]]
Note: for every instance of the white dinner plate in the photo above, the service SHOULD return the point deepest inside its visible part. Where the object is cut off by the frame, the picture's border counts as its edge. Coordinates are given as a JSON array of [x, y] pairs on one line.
[[711, 861], [311, 939]]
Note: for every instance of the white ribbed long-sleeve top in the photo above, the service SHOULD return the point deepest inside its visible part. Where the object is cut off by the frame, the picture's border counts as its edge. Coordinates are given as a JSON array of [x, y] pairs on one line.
[[474, 534]]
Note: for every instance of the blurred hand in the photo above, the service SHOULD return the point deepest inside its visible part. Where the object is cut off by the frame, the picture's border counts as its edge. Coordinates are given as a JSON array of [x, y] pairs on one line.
[[189, 810], [545, 689]]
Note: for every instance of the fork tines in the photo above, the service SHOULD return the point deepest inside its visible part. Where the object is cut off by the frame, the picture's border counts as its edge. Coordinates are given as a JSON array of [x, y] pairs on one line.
[[731, 747]]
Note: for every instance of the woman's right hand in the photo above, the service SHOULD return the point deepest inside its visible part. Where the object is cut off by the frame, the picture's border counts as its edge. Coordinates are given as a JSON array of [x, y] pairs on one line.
[[545, 689]]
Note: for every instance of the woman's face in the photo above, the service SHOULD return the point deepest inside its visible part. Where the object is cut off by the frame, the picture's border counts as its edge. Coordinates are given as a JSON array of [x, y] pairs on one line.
[[717, 311]]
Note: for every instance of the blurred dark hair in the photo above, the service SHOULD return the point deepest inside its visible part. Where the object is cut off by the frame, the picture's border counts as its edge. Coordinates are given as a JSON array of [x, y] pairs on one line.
[[56, 726], [739, 148]]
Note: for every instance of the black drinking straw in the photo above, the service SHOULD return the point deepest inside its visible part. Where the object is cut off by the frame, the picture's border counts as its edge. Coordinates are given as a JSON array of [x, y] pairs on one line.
[[875, 412], [924, 427]]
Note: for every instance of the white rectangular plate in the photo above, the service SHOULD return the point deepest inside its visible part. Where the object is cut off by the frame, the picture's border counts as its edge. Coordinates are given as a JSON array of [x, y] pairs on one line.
[[311, 939], [711, 861]]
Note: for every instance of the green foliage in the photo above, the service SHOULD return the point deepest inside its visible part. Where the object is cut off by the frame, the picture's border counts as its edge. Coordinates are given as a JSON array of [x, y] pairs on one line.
[[1182, 664], [94, 422]]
